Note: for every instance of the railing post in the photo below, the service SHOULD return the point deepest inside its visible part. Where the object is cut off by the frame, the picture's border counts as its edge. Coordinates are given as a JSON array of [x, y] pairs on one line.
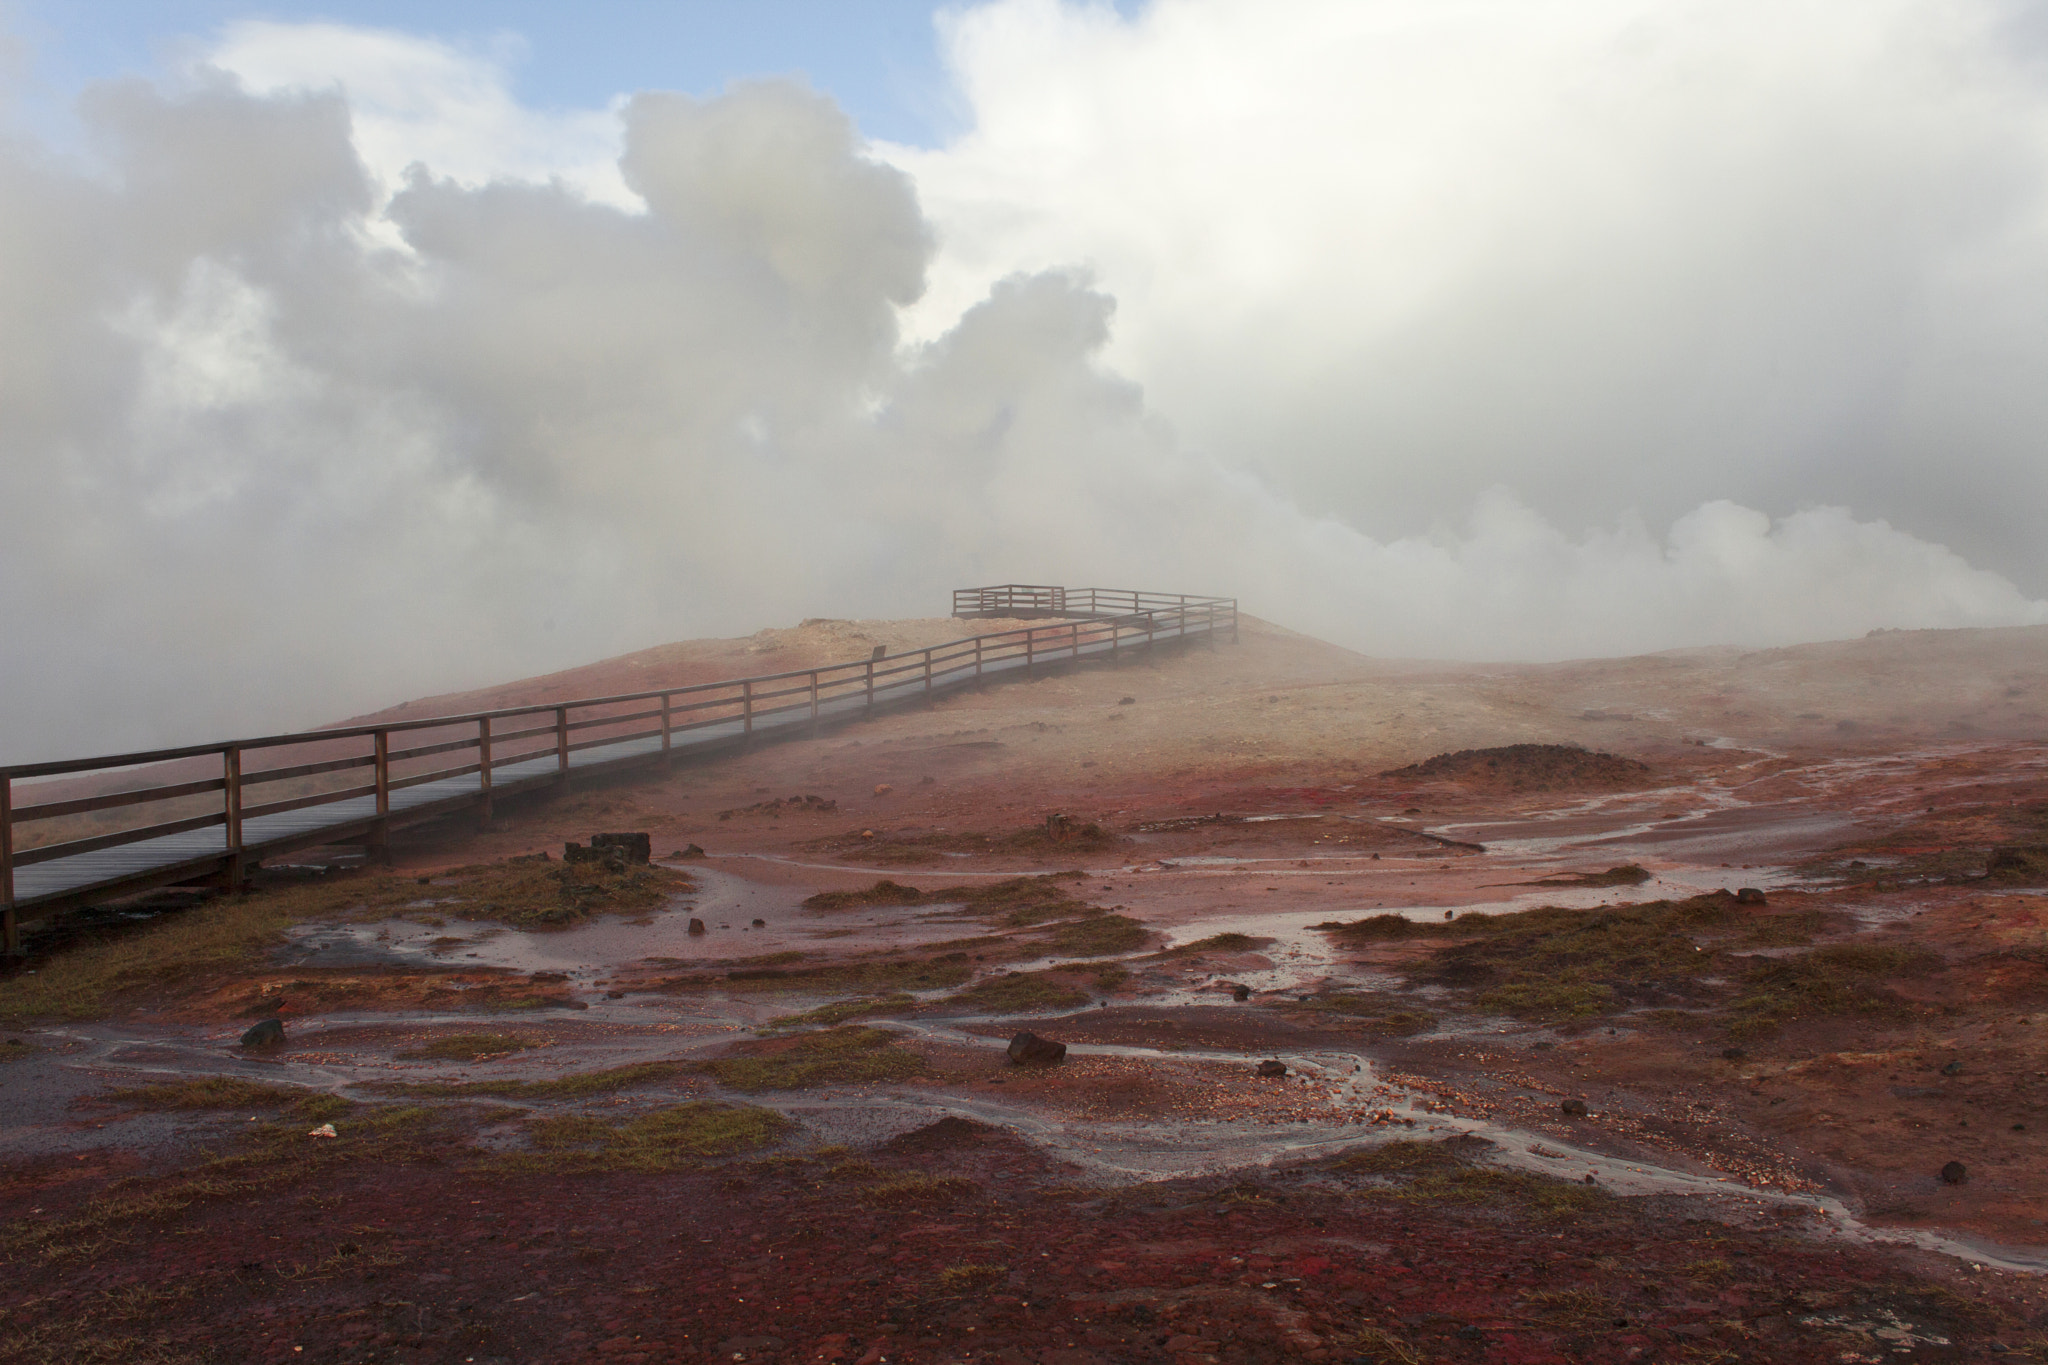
[[1077, 641], [977, 658], [562, 745], [747, 707], [667, 727], [927, 673], [381, 758], [871, 682], [1030, 649], [814, 703], [10, 926], [483, 761], [1116, 629], [231, 808]]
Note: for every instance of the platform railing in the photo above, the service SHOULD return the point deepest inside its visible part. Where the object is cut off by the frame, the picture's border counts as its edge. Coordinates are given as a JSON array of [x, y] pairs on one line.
[[236, 783]]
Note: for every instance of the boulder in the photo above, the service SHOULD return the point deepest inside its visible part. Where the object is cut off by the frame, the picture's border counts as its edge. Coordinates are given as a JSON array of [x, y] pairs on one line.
[[1749, 895], [639, 848], [1028, 1049], [1272, 1067], [266, 1033], [1240, 993], [696, 926], [1955, 1173], [1573, 1109]]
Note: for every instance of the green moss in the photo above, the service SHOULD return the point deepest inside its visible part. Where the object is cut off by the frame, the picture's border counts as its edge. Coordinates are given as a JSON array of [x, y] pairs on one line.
[[466, 1047], [1844, 979], [1220, 943], [883, 892], [1021, 991], [1097, 936], [961, 1279], [1370, 1013], [675, 1138], [209, 1092], [840, 1011], [841, 1056], [575, 1086], [918, 1189]]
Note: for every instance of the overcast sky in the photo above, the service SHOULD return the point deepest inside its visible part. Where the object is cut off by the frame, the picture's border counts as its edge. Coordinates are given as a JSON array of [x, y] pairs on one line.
[[358, 352]]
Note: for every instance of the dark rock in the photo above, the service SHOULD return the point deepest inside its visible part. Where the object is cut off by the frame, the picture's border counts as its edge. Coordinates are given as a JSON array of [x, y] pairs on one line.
[[2018, 866], [1573, 1109], [1028, 1049], [638, 847], [1953, 1069], [1240, 993], [1749, 895], [696, 925], [1734, 1054], [1955, 1173], [1272, 1067], [760, 924], [265, 1033], [688, 851], [615, 995], [1126, 701]]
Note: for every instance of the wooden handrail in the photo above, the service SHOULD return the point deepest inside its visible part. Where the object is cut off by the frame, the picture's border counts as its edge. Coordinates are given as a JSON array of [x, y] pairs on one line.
[[1098, 618]]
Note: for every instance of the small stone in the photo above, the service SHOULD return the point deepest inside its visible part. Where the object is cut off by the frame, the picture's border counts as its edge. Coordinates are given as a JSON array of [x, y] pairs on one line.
[[760, 924], [1953, 1069], [1749, 895], [1573, 1109], [1734, 1054], [883, 789], [1272, 1067], [268, 1033], [1240, 993], [1028, 1049], [1955, 1173], [1126, 701], [696, 926]]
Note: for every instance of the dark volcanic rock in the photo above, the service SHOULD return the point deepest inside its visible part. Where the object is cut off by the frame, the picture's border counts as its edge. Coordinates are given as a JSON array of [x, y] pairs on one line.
[[639, 848], [1272, 1067], [1749, 895], [689, 851], [1028, 1049], [1955, 1173], [696, 925], [1573, 1109], [1241, 993], [266, 1033]]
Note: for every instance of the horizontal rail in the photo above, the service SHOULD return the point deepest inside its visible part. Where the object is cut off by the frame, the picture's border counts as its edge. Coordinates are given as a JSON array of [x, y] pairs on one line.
[[697, 716]]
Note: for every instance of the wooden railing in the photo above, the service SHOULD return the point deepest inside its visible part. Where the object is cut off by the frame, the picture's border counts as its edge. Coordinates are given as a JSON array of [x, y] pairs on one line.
[[361, 773]]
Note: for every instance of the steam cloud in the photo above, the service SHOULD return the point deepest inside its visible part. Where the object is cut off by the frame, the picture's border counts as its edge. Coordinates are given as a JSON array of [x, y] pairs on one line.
[[290, 428]]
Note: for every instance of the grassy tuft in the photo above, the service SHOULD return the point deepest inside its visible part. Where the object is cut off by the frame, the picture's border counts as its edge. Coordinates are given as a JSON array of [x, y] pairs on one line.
[[840, 1056], [1097, 936], [1403, 1157], [1846, 979], [840, 1011], [1370, 1012], [883, 892], [576, 1086], [918, 1189], [675, 1138], [1220, 943], [1021, 991], [961, 1279], [467, 1047]]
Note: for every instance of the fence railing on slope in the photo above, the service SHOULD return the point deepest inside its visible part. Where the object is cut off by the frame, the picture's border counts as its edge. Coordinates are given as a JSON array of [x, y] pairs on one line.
[[197, 787]]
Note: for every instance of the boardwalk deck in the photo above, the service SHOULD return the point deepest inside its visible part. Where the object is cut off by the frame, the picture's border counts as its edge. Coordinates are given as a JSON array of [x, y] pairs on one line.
[[222, 844]]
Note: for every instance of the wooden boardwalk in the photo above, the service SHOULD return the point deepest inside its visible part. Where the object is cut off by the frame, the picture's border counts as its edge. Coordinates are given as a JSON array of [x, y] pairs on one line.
[[187, 815]]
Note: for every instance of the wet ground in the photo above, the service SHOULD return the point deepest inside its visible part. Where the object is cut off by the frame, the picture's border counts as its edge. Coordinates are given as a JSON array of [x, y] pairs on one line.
[[1152, 1197]]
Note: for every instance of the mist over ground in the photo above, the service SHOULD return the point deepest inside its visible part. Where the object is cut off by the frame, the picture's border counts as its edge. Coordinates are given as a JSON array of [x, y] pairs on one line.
[[330, 376]]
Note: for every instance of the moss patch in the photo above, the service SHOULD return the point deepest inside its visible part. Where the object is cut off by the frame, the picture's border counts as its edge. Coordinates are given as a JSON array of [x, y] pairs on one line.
[[576, 1086], [840, 1056], [840, 1011], [467, 1047], [675, 1138], [1845, 979], [1021, 991]]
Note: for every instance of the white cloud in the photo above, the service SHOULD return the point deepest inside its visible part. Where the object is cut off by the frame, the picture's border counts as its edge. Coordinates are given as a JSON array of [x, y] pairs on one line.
[[415, 99], [1617, 254], [258, 469]]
